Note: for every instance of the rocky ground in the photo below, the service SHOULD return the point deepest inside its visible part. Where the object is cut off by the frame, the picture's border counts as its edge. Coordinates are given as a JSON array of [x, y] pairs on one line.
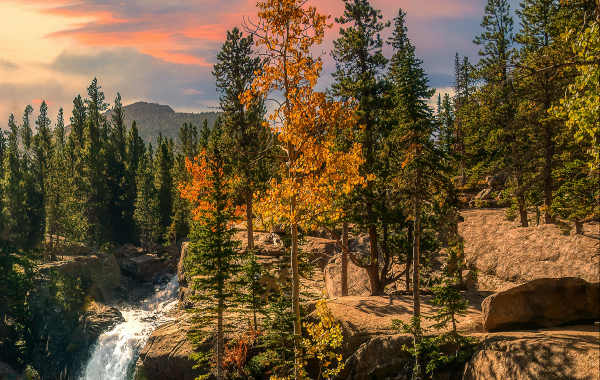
[[503, 255], [532, 345]]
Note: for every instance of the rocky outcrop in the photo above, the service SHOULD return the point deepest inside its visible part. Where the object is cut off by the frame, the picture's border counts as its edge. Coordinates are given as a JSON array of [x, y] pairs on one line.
[[550, 354], [506, 255], [381, 357], [99, 273], [358, 280], [99, 318], [542, 303], [144, 268], [166, 354]]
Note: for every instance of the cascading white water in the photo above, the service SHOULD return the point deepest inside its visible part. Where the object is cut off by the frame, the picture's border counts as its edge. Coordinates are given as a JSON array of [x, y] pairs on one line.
[[114, 355]]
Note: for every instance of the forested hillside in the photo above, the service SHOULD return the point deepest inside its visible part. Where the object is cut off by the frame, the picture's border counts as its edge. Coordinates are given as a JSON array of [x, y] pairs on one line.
[[154, 119]]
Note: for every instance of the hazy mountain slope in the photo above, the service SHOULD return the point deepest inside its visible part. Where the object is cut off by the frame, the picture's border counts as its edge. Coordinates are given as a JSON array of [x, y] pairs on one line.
[[153, 119]]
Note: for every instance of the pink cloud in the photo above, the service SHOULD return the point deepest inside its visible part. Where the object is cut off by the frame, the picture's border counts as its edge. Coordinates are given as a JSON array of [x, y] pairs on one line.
[[184, 33]]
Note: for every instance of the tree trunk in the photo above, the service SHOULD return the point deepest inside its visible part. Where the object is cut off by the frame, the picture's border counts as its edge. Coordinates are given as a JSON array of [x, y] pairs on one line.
[[548, 155], [249, 225], [523, 212], [416, 286], [578, 227], [296, 295], [220, 340], [521, 202], [409, 256], [344, 275], [373, 268]]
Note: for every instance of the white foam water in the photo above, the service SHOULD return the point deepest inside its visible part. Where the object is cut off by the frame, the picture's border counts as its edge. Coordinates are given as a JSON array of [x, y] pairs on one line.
[[114, 355]]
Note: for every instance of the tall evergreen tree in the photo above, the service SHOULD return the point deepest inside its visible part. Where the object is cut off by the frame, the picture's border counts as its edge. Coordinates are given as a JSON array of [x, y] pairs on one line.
[[249, 141], [507, 142], [187, 149], [213, 253], [136, 150], [43, 148], [147, 203], [359, 75], [539, 90], [120, 206], [419, 160], [56, 190], [14, 201], [94, 153], [163, 166]]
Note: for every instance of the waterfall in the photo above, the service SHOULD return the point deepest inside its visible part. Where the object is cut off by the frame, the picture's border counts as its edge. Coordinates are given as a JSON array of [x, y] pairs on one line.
[[114, 355]]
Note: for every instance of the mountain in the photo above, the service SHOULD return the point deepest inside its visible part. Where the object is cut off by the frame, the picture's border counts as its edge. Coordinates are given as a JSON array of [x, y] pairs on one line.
[[153, 119]]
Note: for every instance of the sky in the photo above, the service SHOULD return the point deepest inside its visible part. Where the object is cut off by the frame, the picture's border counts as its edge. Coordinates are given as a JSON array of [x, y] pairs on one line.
[[163, 50]]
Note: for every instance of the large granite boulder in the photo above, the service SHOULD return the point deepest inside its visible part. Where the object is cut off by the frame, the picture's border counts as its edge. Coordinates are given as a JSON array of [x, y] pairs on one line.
[[99, 273], [99, 318], [358, 279], [533, 355], [144, 267], [166, 354], [381, 357], [505, 254], [544, 302]]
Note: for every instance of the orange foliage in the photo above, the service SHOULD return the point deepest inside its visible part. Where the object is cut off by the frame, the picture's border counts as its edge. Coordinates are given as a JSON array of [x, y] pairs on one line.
[[200, 188], [236, 352], [314, 174]]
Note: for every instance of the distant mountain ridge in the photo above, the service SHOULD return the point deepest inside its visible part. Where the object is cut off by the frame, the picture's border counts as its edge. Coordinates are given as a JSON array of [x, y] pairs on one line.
[[153, 119]]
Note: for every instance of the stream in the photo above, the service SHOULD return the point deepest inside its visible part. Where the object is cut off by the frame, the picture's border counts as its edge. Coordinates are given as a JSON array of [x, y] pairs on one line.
[[114, 356]]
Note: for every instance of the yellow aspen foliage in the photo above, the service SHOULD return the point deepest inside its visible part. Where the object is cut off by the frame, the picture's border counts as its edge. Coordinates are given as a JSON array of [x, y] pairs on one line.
[[324, 342], [313, 172]]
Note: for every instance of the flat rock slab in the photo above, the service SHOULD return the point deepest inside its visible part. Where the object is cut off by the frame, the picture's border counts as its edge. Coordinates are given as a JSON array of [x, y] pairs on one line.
[[544, 302], [559, 353]]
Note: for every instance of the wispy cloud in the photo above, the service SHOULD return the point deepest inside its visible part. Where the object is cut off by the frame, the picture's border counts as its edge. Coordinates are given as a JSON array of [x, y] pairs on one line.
[[162, 50]]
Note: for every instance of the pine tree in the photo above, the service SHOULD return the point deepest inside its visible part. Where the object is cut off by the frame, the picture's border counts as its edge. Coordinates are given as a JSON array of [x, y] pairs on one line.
[[120, 206], [213, 253], [187, 149], [76, 225], [252, 292], [147, 204], [539, 90], [136, 149], [163, 165], [13, 202], [32, 181], [463, 112], [249, 141], [94, 170], [419, 158], [43, 151], [446, 119], [507, 141], [359, 75], [56, 189]]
